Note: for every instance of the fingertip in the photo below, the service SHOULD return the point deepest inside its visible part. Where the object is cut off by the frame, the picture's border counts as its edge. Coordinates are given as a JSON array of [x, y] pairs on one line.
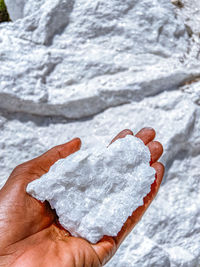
[[77, 142], [146, 134], [122, 134], [156, 150], [126, 132], [70, 147]]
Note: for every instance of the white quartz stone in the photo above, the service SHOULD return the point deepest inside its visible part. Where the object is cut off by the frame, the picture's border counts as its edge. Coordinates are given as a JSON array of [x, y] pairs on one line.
[[177, 122], [94, 193], [76, 58], [15, 9], [110, 53]]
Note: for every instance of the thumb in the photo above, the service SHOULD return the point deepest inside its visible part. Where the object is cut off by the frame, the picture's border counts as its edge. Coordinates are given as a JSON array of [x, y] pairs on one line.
[[36, 167], [46, 160]]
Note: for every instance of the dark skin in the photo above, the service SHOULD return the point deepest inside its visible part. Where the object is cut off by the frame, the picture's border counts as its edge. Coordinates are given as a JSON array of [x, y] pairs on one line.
[[30, 234]]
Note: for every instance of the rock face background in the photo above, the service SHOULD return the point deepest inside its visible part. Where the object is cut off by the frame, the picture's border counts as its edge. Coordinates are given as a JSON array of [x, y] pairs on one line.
[[92, 68]]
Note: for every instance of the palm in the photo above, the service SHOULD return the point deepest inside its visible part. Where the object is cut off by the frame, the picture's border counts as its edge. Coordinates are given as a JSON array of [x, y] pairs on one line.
[[37, 236], [34, 236], [50, 247]]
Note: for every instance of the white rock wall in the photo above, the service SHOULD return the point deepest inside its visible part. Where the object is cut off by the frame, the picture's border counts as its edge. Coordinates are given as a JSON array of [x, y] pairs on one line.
[[92, 68]]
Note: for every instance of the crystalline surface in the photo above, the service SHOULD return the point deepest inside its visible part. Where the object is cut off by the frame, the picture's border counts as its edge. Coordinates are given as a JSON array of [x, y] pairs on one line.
[[95, 192], [80, 58]]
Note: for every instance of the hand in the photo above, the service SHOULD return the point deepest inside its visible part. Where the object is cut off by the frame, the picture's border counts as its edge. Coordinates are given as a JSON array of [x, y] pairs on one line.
[[30, 235]]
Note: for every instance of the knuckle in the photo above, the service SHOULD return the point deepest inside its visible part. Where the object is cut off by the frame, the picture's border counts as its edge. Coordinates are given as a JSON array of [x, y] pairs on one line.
[[54, 152], [159, 167], [21, 167], [18, 169], [51, 150], [57, 150]]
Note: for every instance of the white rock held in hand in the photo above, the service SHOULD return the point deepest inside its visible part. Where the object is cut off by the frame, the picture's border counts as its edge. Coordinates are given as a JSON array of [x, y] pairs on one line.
[[95, 192]]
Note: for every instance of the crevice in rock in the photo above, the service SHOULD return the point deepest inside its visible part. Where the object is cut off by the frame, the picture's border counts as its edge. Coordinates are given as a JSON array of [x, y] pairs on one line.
[[83, 108], [45, 120], [58, 17]]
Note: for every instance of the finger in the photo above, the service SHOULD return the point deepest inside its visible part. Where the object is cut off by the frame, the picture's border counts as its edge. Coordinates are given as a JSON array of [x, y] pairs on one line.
[[122, 134], [35, 168], [146, 135], [105, 249], [160, 170], [156, 150]]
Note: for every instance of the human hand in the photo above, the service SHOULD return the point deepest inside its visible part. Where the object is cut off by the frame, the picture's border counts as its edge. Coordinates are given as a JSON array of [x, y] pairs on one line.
[[30, 234]]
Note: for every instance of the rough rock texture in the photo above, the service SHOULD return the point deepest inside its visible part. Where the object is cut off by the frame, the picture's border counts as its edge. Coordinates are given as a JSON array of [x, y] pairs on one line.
[[95, 191], [101, 51], [92, 68]]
